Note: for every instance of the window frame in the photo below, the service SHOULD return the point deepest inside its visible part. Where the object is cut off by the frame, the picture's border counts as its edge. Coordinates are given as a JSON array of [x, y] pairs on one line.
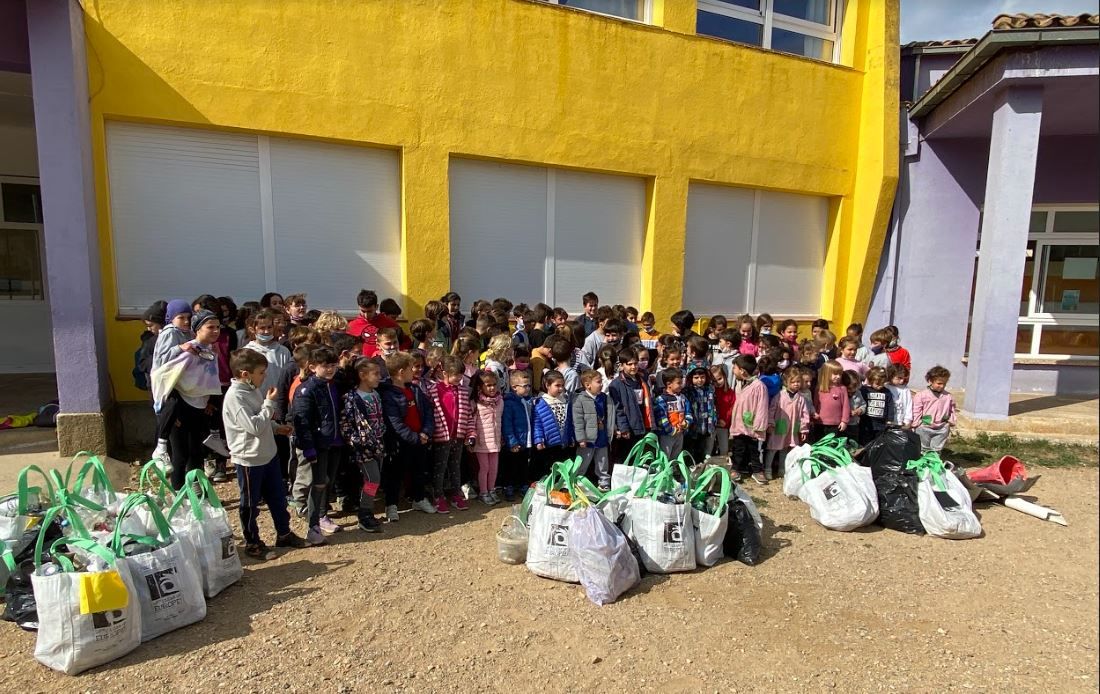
[[646, 13], [767, 17], [1038, 319], [39, 231]]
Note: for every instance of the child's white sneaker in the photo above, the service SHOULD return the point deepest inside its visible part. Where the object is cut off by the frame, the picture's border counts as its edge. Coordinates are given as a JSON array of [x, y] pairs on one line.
[[391, 514], [424, 506]]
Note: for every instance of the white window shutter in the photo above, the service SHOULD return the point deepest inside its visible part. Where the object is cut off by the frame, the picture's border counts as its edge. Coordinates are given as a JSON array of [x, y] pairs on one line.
[[790, 253], [717, 249]]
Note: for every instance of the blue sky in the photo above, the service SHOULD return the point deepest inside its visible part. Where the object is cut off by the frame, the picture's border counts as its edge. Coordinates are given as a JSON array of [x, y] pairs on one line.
[[927, 20]]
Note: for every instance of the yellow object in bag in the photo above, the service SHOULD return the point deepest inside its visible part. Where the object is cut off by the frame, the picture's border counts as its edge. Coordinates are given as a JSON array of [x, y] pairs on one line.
[[102, 591]]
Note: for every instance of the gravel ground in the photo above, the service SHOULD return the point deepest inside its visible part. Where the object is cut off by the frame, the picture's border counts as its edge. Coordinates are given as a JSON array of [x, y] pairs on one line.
[[428, 607]]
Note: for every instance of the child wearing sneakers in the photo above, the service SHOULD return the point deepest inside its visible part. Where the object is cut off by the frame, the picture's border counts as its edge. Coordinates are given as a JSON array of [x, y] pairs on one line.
[[750, 419], [454, 425], [897, 377], [515, 456], [633, 405], [594, 426], [934, 411], [486, 441], [552, 424], [790, 423], [364, 428], [250, 435], [316, 416], [409, 427], [671, 413]]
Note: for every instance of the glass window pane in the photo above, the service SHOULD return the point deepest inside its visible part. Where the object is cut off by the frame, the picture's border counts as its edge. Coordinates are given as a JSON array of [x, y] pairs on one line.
[[619, 8], [810, 10], [1069, 284], [1038, 222], [22, 203], [800, 44], [728, 28], [750, 4], [1080, 222], [1023, 339], [20, 264], [1075, 341], [1029, 271]]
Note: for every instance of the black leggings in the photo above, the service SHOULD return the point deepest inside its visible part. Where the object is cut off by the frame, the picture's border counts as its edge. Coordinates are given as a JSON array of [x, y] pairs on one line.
[[190, 428]]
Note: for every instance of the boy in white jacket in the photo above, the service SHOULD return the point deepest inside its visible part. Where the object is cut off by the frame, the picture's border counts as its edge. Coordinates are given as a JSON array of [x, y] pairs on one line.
[[250, 435], [897, 377]]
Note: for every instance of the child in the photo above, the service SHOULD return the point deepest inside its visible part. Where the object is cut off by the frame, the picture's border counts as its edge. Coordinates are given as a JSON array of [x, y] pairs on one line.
[[898, 354], [788, 333], [453, 416], [856, 404], [879, 411], [699, 393], [316, 416], [559, 316], [723, 406], [467, 349], [934, 411], [714, 329], [409, 427], [192, 424], [249, 431], [588, 320], [154, 319], [488, 406], [649, 332], [729, 340], [790, 424], [607, 361], [818, 326], [369, 322], [552, 421], [767, 369], [683, 324], [264, 340], [169, 343], [594, 427], [855, 331], [897, 377], [422, 332], [749, 424], [596, 339], [878, 356], [764, 324], [831, 400], [671, 413], [825, 343], [296, 309], [849, 359], [515, 456], [633, 406], [498, 356], [673, 360], [749, 335], [806, 389], [364, 428], [561, 354], [439, 335], [698, 353]]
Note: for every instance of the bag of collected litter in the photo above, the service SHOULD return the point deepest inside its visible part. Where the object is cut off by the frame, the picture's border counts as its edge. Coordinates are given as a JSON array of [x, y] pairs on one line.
[[512, 539], [88, 613], [710, 514], [644, 460], [20, 514], [601, 557], [153, 483], [197, 513], [658, 518], [742, 541], [793, 473], [842, 498], [548, 543], [165, 569], [945, 507], [895, 484]]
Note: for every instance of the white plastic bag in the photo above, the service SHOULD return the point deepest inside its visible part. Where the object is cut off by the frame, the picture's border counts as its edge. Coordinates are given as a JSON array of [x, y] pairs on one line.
[[944, 505], [548, 544], [85, 618], [168, 579], [842, 498], [601, 557], [710, 528], [795, 470], [635, 470], [201, 518]]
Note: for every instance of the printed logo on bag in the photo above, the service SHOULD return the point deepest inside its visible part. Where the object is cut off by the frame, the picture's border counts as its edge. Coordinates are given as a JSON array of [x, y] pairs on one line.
[[674, 533], [164, 588], [229, 550], [109, 624], [831, 492], [559, 536]]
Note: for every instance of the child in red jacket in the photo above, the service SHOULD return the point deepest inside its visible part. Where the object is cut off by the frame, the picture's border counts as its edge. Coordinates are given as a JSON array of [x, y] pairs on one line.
[[724, 398]]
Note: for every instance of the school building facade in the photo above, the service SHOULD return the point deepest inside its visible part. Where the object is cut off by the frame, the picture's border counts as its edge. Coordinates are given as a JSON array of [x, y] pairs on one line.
[[722, 156]]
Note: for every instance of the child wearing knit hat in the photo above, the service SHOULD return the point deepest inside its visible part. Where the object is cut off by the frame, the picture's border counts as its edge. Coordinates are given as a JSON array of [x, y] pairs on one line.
[[170, 340]]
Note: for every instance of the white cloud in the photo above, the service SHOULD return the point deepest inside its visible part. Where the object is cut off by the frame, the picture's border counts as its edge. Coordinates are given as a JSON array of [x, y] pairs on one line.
[[929, 20]]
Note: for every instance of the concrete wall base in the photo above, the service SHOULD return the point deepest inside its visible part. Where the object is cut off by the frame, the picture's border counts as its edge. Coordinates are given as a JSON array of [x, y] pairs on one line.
[[81, 431]]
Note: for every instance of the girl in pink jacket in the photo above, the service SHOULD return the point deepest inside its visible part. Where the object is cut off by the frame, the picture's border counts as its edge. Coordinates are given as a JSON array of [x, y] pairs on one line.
[[487, 437], [934, 410], [790, 423], [749, 425]]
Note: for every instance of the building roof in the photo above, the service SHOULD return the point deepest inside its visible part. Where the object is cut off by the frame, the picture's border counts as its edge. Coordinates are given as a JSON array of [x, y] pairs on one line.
[[1044, 21], [946, 43]]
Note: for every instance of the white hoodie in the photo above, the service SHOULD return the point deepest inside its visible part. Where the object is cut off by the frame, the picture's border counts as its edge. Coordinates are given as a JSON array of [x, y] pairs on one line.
[[278, 359]]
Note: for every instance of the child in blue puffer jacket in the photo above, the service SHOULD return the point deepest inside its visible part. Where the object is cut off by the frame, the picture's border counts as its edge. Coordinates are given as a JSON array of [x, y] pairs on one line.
[[515, 455], [552, 422]]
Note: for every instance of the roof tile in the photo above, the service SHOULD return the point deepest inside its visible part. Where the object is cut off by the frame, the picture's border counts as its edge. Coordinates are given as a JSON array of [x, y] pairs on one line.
[[1044, 21]]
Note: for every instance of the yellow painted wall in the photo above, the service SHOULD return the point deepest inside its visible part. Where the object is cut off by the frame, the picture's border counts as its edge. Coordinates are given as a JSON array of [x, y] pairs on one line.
[[520, 81]]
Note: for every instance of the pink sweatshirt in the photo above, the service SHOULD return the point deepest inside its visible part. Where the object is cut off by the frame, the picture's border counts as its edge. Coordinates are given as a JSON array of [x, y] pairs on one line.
[[750, 410], [833, 406], [857, 366], [789, 420], [488, 417], [933, 410]]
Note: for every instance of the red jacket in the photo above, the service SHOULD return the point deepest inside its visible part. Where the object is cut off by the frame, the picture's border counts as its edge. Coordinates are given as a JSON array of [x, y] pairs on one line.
[[368, 330], [901, 356], [723, 404]]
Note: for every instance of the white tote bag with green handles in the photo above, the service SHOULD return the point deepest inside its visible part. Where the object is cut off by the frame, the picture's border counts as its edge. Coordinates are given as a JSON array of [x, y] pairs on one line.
[[167, 577], [710, 529], [200, 516], [943, 502], [663, 531]]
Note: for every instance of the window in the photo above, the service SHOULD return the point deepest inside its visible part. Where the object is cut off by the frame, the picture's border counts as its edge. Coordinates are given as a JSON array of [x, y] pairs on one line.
[[749, 251], [196, 211], [810, 28], [1060, 297], [20, 240], [541, 234], [627, 9]]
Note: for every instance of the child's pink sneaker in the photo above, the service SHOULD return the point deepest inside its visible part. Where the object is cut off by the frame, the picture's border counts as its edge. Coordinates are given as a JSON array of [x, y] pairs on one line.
[[459, 503], [441, 505]]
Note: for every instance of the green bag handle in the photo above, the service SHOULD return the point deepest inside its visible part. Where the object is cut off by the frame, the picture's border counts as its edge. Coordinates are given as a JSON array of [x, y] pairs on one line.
[[663, 481], [839, 456], [195, 478], [24, 491], [930, 465], [66, 498], [90, 546], [93, 466], [703, 482], [132, 502], [81, 533], [64, 562], [648, 448], [143, 480]]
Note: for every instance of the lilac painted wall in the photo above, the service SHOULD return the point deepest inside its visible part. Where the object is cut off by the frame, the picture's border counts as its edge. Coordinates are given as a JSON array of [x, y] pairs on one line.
[[14, 54]]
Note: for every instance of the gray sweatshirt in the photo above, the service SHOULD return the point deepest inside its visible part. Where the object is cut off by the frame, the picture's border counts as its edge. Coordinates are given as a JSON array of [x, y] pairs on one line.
[[168, 344], [248, 430]]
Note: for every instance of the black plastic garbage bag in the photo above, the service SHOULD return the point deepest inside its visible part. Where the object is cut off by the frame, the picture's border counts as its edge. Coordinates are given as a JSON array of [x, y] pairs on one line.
[[887, 457], [19, 604], [742, 541]]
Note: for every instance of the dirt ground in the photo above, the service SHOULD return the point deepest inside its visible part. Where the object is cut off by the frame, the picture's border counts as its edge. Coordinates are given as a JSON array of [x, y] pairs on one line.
[[428, 607]]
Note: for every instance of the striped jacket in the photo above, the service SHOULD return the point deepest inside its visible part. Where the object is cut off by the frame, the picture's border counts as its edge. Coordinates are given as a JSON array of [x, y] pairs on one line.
[[464, 427]]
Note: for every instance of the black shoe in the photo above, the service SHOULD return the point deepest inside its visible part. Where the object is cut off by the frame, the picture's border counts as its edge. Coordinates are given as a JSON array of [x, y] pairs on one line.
[[290, 540], [370, 525], [260, 551]]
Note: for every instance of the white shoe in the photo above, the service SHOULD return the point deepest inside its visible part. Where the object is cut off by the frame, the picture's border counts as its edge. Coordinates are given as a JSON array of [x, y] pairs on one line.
[[392, 515], [468, 492], [209, 467], [216, 443], [164, 462], [424, 505], [488, 499]]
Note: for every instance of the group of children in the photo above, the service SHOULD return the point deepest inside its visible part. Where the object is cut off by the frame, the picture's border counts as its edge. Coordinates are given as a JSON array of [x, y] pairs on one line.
[[319, 411]]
